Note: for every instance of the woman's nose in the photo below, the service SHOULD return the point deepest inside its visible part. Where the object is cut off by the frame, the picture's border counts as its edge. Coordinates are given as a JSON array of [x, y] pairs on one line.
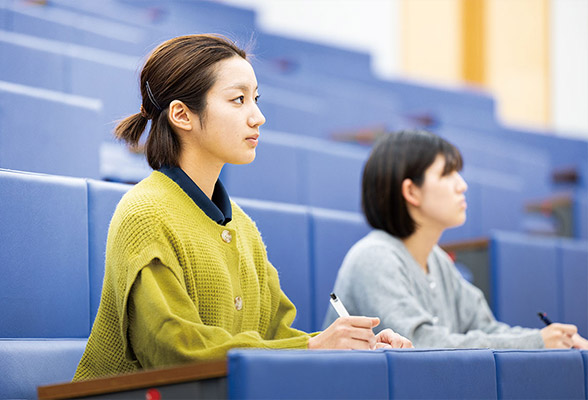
[[462, 186], [257, 118]]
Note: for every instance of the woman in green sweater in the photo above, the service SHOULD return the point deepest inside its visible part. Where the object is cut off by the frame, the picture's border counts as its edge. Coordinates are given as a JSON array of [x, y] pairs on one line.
[[187, 276]]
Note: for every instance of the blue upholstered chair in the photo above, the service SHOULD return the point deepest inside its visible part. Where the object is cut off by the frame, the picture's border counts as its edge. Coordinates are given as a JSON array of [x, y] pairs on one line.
[[44, 251], [441, 374], [332, 234], [540, 374], [525, 278], [284, 229], [26, 364], [294, 374]]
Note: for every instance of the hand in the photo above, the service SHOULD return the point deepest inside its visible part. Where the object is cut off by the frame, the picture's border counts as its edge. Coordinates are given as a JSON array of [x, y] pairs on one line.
[[559, 336], [353, 333], [388, 339], [579, 342]]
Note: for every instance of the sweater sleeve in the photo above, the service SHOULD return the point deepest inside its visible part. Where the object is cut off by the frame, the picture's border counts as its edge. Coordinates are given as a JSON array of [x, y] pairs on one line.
[[382, 288], [476, 318], [165, 327]]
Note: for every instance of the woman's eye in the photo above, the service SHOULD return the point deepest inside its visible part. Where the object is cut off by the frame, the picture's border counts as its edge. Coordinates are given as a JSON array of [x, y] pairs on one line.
[[239, 99], [257, 98]]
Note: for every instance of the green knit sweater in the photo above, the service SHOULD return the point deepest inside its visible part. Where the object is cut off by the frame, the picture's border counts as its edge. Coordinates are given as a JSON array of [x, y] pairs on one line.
[[180, 288]]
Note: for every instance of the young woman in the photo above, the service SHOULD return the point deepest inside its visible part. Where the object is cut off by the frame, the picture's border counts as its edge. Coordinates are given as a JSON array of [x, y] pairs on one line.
[[187, 276], [412, 191]]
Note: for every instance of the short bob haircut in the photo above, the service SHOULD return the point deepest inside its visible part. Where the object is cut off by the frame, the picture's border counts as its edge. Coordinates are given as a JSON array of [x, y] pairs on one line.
[[394, 158]]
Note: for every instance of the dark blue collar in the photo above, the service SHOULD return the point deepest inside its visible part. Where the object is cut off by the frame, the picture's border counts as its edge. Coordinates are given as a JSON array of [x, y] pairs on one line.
[[218, 209]]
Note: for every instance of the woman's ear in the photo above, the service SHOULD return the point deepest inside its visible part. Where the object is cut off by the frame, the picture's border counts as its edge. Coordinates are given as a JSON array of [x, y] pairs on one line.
[[411, 192], [180, 116]]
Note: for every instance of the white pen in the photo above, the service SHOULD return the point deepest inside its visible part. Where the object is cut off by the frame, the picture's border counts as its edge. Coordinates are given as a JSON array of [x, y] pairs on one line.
[[338, 306]]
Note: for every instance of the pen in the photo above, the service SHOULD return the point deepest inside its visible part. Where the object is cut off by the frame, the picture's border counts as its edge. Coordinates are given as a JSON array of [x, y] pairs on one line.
[[338, 306], [544, 318]]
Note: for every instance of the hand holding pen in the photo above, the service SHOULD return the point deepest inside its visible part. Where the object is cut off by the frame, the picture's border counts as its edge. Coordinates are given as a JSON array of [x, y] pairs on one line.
[[561, 336], [353, 333], [343, 331]]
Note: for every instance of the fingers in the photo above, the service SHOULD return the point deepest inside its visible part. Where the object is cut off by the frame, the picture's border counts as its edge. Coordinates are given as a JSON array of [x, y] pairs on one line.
[[567, 329], [394, 339], [559, 336], [361, 322], [579, 342], [355, 333]]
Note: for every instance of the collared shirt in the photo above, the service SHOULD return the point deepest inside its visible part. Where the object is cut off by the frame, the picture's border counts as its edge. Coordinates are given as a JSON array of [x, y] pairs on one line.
[[218, 209]]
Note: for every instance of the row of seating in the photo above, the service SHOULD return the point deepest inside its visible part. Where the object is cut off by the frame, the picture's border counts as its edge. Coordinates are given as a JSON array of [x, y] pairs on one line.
[[531, 274], [307, 171], [408, 374], [54, 235], [294, 374], [53, 242], [298, 97]]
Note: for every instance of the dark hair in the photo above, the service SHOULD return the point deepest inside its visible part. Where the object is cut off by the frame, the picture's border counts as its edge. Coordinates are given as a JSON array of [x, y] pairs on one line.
[[394, 158], [182, 69]]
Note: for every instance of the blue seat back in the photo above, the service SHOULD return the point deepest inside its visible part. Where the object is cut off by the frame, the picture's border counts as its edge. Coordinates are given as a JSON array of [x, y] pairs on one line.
[[441, 374], [275, 175], [284, 229], [312, 172], [44, 236], [524, 278], [61, 137], [102, 200], [573, 283], [540, 374], [26, 364], [334, 177], [333, 233], [262, 374]]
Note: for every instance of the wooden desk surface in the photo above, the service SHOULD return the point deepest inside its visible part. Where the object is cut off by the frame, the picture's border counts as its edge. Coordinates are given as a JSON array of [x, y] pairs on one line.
[[138, 380]]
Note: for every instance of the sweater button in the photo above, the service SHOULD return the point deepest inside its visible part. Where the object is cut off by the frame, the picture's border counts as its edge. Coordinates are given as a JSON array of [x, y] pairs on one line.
[[238, 303], [226, 236]]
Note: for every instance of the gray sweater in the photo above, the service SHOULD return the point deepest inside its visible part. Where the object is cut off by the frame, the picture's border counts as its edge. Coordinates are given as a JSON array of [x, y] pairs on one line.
[[380, 278]]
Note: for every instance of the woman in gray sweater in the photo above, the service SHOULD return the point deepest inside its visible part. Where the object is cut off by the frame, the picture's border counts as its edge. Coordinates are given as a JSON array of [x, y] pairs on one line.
[[411, 192]]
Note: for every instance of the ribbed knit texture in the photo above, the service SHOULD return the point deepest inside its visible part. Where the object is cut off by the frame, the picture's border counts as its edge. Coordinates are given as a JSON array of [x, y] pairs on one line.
[[157, 221]]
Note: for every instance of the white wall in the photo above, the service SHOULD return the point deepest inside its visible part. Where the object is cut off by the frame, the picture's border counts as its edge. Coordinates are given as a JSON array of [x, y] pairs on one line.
[[569, 66], [366, 25]]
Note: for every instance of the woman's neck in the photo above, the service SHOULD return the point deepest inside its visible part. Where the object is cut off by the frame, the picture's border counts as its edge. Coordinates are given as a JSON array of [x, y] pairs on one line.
[[204, 174], [420, 244]]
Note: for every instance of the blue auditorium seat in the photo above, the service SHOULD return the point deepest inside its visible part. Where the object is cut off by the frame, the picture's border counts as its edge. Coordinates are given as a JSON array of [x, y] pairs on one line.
[[332, 235], [20, 63], [333, 176], [102, 200], [540, 374], [274, 175], [573, 272], [585, 360], [524, 278], [59, 134], [299, 374], [55, 21], [441, 374], [580, 212], [305, 56], [44, 236], [462, 107], [26, 364], [80, 70], [285, 232], [300, 170]]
